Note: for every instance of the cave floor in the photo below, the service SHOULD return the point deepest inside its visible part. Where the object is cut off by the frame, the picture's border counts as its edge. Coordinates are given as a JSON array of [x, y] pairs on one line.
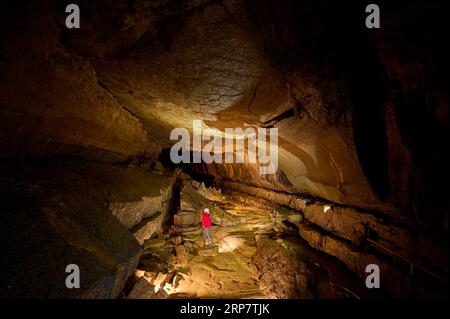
[[227, 269], [228, 272]]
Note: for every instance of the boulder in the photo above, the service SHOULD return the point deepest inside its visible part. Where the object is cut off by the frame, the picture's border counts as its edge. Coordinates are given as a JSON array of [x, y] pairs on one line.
[[188, 231], [208, 251], [63, 225], [176, 240], [143, 289], [149, 193], [188, 245], [160, 279], [148, 227], [181, 256], [184, 218], [195, 184], [155, 243]]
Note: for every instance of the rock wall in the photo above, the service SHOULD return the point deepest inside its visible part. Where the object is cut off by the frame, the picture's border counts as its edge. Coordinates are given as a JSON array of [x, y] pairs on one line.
[[52, 101], [360, 237], [61, 212], [192, 204], [282, 275], [148, 214], [286, 269]]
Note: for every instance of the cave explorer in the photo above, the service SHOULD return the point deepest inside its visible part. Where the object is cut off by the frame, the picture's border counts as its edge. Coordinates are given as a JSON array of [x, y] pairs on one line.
[[206, 225]]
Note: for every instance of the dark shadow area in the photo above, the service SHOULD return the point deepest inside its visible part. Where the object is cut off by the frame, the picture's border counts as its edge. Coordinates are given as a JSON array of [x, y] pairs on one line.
[[198, 171], [369, 87]]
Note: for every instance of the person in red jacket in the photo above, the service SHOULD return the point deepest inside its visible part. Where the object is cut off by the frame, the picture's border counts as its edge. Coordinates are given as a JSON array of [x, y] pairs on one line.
[[206, 225]]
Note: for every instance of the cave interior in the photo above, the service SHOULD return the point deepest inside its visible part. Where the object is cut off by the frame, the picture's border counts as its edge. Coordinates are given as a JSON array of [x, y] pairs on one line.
[[87, 176]]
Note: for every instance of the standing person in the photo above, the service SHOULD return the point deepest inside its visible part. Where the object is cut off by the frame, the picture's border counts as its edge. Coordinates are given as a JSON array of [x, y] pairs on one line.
[[206, 225]]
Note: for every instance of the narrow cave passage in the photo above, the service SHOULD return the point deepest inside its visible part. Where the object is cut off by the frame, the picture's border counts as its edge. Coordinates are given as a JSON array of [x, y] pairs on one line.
[[319, 145]]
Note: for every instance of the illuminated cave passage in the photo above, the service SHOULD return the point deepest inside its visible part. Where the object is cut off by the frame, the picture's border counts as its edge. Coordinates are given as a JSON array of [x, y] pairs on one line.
[[86, 176]]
